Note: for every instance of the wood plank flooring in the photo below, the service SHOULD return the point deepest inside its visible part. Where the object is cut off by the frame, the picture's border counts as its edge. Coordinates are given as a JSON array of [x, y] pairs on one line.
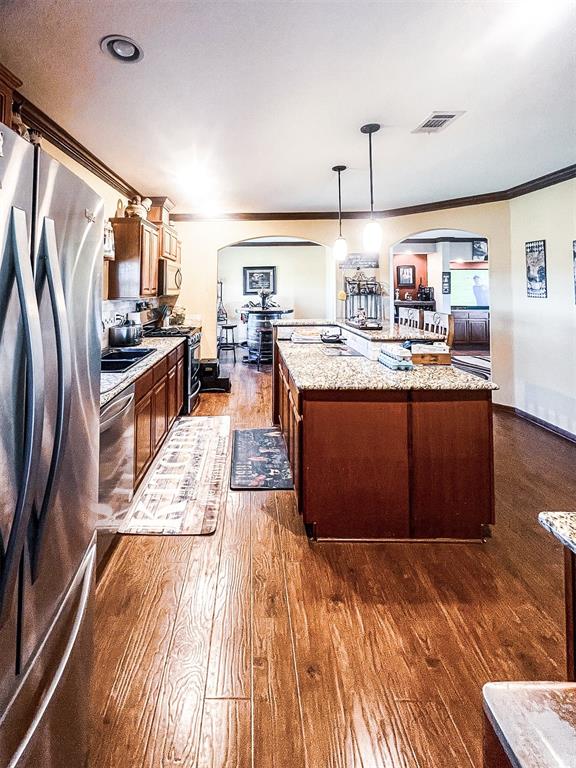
[[254, 648]]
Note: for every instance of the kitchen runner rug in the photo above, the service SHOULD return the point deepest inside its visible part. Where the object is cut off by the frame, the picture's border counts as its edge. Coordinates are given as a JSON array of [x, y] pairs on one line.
[[259, 461], [186, 487]]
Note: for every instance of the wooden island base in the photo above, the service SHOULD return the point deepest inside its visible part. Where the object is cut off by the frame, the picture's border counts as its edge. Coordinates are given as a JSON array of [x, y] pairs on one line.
[[388, 463]]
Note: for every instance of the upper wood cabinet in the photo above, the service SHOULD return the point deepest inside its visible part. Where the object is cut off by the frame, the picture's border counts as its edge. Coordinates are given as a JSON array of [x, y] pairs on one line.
[[134, 272], [170, 244], [8, 84]]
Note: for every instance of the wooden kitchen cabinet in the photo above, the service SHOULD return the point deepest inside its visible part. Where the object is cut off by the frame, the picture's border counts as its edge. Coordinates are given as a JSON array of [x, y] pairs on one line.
[[159, 399], [134, 272], [170, 244], [8, 84], [471, 327], [143, 437]]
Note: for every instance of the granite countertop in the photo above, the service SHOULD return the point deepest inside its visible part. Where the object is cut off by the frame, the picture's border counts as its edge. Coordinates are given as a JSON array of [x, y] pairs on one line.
[[562, 525], [260, 311], [389, 332], [311, 369], [111, 384]]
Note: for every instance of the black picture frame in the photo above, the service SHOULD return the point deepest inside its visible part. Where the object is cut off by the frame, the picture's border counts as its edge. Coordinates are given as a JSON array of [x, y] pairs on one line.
[[536, 271], [255, 278], [446, 283], [479, 250], [406, 276]]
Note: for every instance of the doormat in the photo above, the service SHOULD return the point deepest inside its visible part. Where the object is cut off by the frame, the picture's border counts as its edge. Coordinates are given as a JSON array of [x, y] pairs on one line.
[[260, 461], [186, 487], [478, 365]]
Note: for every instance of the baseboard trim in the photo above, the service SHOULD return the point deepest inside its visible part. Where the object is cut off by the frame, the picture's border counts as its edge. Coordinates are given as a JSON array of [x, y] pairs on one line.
[[536, 421]]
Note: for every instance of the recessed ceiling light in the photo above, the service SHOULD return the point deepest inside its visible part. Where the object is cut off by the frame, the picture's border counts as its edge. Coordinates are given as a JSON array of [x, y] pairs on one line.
[[121, 48]]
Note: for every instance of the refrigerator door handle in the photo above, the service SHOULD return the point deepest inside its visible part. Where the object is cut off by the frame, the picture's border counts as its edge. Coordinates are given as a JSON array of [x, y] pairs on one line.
[[49, 268], [34, 404]]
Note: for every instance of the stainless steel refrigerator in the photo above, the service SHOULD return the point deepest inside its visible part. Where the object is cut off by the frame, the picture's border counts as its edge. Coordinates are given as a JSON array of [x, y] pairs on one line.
[[51, 230]]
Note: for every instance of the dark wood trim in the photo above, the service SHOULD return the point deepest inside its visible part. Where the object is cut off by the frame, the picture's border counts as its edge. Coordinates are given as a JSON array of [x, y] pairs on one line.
[[445, 240], [52, 132], [9, 78], [548, 180], [569, 595], [297, 243], [535, 420]]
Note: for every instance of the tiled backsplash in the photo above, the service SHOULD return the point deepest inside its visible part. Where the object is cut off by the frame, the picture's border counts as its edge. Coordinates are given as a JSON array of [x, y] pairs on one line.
[[111, 308]]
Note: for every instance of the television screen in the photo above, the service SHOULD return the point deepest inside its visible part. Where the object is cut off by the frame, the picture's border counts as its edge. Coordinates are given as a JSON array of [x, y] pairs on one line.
[[470, 288]]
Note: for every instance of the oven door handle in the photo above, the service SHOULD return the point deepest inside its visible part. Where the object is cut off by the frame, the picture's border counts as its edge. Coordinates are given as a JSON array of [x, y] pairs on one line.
[[197, 388]]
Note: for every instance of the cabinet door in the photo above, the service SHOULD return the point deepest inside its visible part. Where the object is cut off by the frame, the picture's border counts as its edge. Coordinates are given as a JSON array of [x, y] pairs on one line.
[[143, 440], [153, 263], [461, 334], [178, 250], [172, 395], [160, 411], [179, 385], [478, 330], [145, 286], [173, 247]]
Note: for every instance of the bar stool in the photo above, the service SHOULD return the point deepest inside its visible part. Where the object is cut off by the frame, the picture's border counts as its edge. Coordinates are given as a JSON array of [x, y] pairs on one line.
[[264, 344], [225, 341]]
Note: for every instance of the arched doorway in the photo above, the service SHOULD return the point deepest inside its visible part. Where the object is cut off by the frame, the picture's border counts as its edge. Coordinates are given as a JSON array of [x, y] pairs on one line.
[[455, 265], [301, 273]]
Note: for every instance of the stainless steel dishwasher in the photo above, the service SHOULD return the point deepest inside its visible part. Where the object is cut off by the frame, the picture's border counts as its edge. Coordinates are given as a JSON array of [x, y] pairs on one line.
[[116, 483]]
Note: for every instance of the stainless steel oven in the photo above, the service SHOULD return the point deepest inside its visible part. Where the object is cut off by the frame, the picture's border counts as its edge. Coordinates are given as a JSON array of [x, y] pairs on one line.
[[170, 278]]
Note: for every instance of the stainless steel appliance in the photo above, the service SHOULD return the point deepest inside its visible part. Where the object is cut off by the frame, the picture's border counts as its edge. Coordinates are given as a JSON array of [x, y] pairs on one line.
[[170, 278], [127, 335], [116, 484], [51, 230], [193, 336]]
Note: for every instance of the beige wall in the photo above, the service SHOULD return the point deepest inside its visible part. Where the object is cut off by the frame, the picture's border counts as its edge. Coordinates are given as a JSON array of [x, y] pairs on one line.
[[545, 329], [300, 277], [202, 240]]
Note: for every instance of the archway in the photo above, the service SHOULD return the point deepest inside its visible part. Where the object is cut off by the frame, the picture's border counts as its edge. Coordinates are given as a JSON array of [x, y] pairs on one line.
[[300, 272], [449, 270]]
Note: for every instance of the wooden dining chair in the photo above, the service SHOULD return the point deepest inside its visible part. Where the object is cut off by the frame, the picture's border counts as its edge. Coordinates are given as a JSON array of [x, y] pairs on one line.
[[409, 317], [439, 322]]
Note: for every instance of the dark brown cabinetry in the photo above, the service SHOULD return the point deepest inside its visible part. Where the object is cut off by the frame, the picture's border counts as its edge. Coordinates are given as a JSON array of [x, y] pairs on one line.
[[362, 460], [134, 272], [159, 400], [471, 327], [170, 244]]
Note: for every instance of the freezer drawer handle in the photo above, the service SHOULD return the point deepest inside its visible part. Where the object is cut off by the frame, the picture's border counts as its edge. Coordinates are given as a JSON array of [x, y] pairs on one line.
[[48, 271], [86, 573], [34, 402]]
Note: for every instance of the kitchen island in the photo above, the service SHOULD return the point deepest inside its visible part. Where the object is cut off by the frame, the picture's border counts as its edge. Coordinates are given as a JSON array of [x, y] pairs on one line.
[[382, 454]]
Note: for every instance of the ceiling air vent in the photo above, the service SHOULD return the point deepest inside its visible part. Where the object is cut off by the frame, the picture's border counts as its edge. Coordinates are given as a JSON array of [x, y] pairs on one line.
[[437, 122]]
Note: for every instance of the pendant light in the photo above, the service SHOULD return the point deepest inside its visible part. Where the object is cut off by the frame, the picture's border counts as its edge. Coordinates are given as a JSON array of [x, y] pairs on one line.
[[340, 249], [372, 236]]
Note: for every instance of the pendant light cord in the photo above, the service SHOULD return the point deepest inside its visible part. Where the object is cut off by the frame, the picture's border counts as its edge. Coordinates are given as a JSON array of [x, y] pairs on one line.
[[371, 181], [339, 206]]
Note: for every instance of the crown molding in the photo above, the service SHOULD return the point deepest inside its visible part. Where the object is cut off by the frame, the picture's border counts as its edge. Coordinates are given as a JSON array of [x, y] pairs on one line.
[[548, 180], [56, 135]]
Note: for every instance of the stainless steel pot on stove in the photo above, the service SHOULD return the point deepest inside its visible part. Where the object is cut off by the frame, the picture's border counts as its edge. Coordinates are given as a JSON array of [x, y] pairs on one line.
[[127, 335]]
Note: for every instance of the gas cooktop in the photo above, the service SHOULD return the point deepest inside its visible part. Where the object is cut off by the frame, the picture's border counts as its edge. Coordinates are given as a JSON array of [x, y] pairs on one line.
[[174, 330]]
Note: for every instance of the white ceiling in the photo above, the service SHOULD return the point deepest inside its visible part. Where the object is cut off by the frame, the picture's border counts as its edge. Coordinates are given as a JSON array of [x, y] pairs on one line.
[[246, 105]]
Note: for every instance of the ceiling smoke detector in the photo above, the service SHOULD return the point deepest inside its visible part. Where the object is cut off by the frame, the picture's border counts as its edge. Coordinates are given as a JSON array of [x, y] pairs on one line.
[[438, 121], [122, 48]]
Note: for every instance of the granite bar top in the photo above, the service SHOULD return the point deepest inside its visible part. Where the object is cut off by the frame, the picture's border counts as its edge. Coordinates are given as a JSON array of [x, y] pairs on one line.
[[562, 525], [311, 369], [111, 384], [389, 332]]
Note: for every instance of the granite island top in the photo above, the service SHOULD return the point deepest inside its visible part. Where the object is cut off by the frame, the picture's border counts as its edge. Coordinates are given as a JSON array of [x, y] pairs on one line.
[[562, 525], [311, 369], [389, 331], [111, 384]]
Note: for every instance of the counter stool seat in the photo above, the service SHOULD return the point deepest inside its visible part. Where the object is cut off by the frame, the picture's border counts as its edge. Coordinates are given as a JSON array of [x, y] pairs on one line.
[[226, 339]]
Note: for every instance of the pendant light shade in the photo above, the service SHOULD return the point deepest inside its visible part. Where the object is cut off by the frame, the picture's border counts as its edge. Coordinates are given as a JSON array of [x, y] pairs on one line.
[[340, 249], [372, 236]]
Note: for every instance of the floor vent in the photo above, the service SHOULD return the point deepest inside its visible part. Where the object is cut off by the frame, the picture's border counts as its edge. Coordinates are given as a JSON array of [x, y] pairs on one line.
[[437, 122]]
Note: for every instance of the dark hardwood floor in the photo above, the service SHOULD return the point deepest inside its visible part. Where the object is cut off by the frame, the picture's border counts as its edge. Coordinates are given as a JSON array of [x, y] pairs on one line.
[[254, 647]]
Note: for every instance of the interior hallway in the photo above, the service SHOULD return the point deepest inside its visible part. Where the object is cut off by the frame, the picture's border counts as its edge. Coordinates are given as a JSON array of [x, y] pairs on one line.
[[254, 647]]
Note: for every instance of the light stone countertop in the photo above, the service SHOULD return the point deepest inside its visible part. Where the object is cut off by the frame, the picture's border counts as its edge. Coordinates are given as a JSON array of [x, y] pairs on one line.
[[389, 332], [119, 381], [562, 525], [311, 369]]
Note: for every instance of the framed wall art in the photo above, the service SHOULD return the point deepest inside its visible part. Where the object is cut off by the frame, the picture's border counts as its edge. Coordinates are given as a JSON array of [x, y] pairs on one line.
[[406, 276], [536, 276], [479, 250], [256, 278]]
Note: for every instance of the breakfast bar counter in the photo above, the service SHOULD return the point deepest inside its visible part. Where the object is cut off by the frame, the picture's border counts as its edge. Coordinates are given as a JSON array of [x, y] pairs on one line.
[[365, 442]]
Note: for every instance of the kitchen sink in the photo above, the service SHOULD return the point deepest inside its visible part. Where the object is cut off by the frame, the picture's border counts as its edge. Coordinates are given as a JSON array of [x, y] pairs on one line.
[[120, 360]]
